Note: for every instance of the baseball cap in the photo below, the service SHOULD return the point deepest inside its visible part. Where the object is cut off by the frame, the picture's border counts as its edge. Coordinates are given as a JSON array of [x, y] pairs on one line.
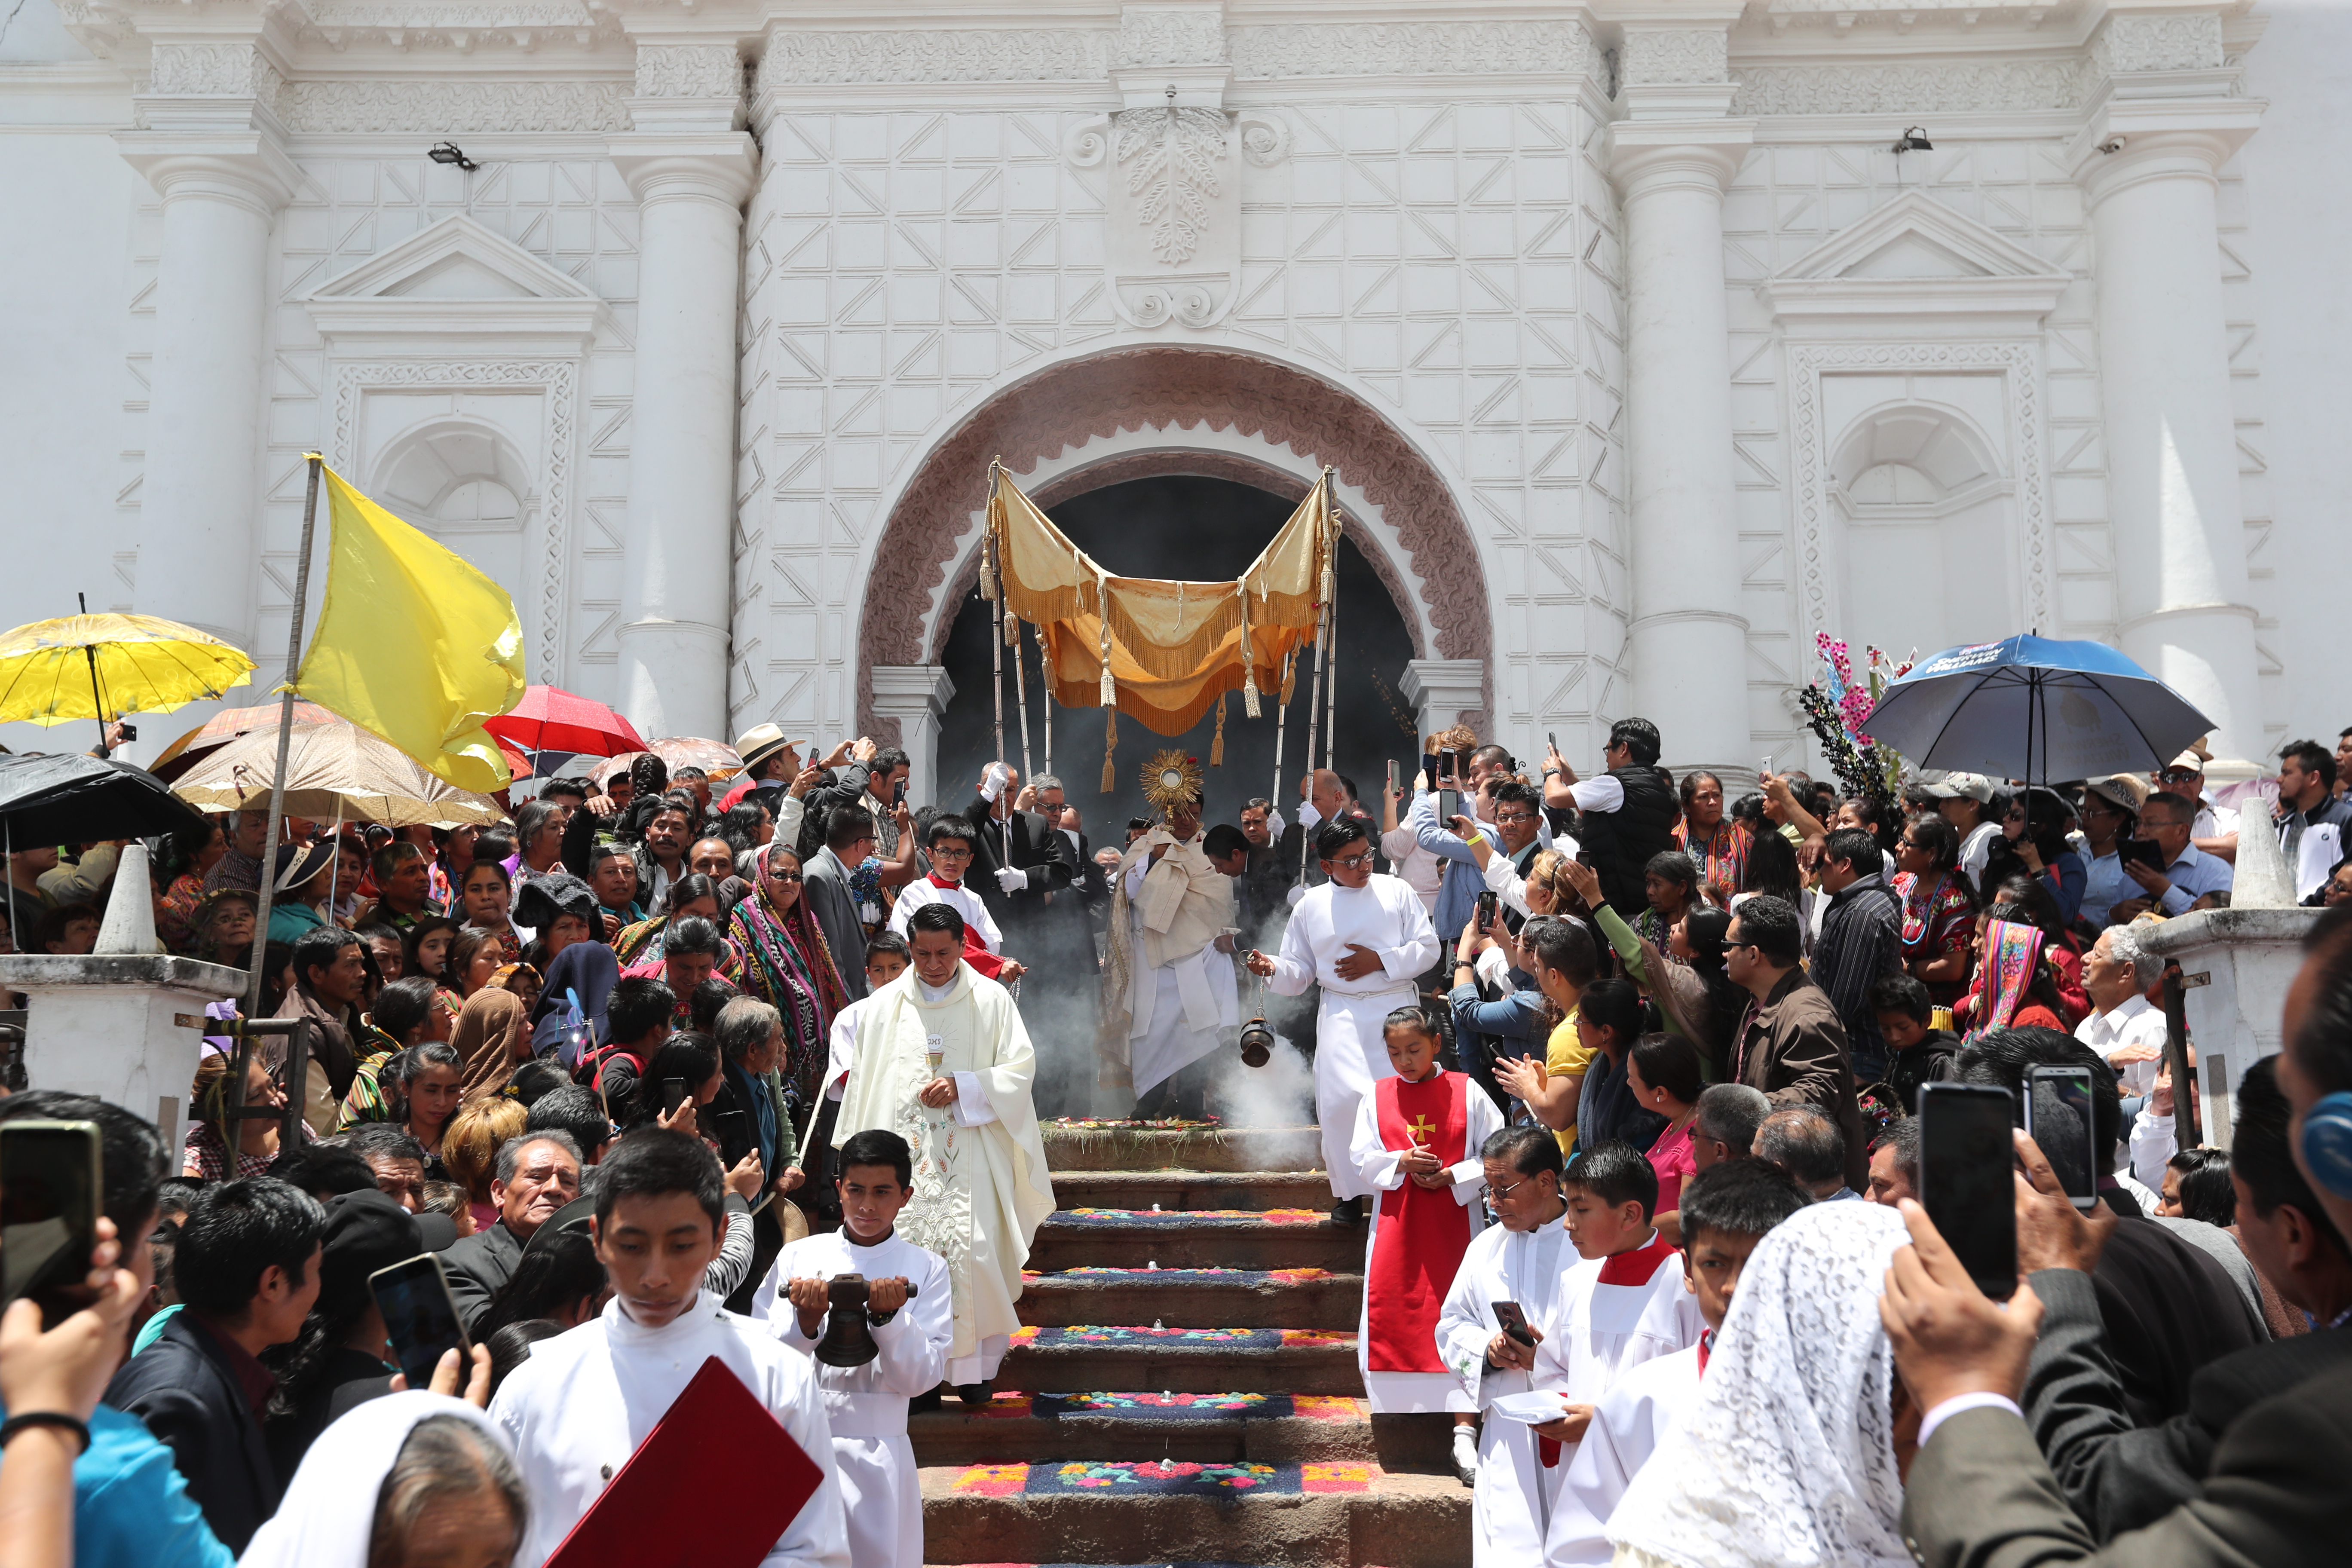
[[1944, 785]]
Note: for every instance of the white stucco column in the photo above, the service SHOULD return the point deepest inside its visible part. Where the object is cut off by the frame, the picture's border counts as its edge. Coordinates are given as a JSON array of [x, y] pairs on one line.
[[1443, 689], [678, 555], [916, 695], [216, 161], [2173, 505], [1672, 159]]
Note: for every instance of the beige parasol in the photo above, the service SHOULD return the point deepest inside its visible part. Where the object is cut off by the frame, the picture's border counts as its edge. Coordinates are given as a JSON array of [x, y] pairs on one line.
[[333, 772]]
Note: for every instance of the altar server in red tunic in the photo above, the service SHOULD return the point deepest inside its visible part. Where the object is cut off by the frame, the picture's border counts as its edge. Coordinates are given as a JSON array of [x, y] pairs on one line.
[[1416, 1145], [1624, 1304]]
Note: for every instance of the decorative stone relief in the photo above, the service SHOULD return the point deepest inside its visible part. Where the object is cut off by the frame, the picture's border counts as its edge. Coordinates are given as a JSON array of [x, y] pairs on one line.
[[1193, 35], [453, 107], [559, 379], [2191, 42], [1171, 158], [840, 58], [1659, 57], [1808, 362], [211, 70], [1959, 87], [420, 15], [711, 71], [1172, 230], [1410, 49]]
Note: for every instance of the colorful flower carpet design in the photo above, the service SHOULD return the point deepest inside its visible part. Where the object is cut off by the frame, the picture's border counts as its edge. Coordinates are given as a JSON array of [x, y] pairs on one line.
[[1195, 1275], [1185, 1407], [1192, 1217], [1079, 1478], [1154, 1337], [1115, 1124]]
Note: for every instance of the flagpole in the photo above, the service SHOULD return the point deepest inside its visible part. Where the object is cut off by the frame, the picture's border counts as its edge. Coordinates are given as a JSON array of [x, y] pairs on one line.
[[285, 739]]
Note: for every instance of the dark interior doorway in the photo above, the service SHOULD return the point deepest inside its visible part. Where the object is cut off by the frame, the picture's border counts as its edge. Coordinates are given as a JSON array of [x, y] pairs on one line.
[[1200, 529]]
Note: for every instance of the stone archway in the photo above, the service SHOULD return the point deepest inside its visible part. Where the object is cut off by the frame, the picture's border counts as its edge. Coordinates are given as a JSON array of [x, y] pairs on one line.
[[1165, 387]]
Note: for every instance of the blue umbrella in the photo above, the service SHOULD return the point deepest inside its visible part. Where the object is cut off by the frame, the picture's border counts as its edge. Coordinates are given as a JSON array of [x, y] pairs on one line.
[[2032, 707]]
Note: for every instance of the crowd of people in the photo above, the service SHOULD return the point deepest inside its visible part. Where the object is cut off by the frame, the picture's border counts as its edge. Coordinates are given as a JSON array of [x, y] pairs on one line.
[[651, 1069]]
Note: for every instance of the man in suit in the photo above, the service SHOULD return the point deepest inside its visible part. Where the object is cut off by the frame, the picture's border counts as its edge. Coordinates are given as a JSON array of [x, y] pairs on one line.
[[849, 839], [1028, 874], [247, 1268], [1978, 1490], [538, 1173], [1019, 859]]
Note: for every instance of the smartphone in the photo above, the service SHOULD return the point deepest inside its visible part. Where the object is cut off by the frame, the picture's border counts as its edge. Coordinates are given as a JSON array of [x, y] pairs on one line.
[[420, 1317], [2145, 852], [673, 1095], [1965, 1160], [2058, 1118], [1552, 741], [50, 1182], [1449, 807], [1513, 1322], [1487, 904], [1392, 775], [1429, 769], [1764, 769]]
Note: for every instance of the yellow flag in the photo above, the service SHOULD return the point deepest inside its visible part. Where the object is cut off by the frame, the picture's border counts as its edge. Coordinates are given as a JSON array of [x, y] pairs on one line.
[[413, 643]]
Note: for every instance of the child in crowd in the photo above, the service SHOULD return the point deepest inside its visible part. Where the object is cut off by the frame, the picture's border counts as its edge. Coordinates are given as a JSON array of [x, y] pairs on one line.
[[908, 1312], [950, 842], [1416, 1144], [1624, 1303], [887, 958], [1517, 1262], [583, 1402], [1726, 1210], [1916, 1053]]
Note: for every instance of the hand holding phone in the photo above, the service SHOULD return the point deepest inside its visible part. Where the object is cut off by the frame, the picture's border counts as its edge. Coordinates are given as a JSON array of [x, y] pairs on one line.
[[1487, 904], [1512, 1321], [1967, 1178], [50, 1182], [420, 1316], [2058, 1118]]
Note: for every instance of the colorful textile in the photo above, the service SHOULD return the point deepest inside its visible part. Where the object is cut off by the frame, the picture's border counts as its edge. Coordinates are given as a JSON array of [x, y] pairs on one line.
[[1938, 919], [1424, 1231], [2013, 955], [786, 964], [1159, 1339], [1180, 1407], [1199, 1275], [175, 912], [1205, 1217], [1163, 1478], [1722, 859]]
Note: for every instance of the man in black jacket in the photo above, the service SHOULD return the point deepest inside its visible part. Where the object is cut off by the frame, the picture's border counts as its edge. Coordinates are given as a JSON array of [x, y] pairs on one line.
[[538, 1173], [1860, 943], [1019, 859], [1625, 816], [247, 1268]]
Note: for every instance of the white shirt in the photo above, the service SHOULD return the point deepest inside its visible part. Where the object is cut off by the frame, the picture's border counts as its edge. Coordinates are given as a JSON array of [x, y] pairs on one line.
[[1384, 915], [580, 1406], [2131, 1023], [1603, 794], [962, 899], [1977, 848], [1628, 1423]]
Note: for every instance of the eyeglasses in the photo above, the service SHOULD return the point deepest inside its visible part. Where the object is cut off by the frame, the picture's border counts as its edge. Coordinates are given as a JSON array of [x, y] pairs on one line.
[[1352, 861], [784, 876], [1508, 1190], [944, 853], [1503, 816]]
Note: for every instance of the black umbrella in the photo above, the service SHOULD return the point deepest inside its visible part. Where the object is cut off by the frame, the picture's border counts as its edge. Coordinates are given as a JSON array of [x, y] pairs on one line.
[[59, 798]]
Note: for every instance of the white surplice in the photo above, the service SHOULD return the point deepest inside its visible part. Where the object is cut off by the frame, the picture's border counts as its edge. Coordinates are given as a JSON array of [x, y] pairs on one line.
[[578, 1408], [1612, 1314], [1628, 1423], [841, 1048], [881, 1492], [1392, 1393], [980, 1184], [962, 900], [1512, 1505], [1178, 1010], [1386, 916]]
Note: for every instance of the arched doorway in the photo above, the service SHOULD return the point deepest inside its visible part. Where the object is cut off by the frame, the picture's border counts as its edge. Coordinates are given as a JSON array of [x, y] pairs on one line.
[[1161, 406], [1200, 528]]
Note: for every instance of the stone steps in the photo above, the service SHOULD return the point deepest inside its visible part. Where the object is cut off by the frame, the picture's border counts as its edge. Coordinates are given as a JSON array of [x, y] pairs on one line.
[[1200, 1428], [1195, 1238], [1126, 1147], [1309, 1300], [1301, 1362], [1193, 1189], [1337, 1517]]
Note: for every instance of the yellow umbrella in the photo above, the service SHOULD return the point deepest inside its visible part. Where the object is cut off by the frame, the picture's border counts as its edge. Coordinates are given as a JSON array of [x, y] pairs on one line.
[[102, 667], [335, 771]]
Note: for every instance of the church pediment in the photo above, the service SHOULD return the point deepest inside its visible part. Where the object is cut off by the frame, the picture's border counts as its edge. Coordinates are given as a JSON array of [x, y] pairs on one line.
[[455, 278], [1916, 257]]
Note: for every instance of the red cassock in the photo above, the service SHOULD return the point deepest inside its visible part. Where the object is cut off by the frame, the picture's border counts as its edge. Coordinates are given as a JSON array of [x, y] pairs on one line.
[[1424, 1231]]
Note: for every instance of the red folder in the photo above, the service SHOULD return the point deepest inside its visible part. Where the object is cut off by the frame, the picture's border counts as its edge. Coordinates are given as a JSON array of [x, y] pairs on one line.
[[715, 1440]]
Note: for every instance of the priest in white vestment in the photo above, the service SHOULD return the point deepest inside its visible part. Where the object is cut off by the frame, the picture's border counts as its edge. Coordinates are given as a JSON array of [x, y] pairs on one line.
[[1169, 994], [944, 1061], [1365, 937], [1520, 1258], [578, 1408], [881, 1489]]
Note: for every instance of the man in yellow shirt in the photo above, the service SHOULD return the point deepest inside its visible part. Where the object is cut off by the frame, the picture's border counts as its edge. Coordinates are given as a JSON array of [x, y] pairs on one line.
[[1559, 954]]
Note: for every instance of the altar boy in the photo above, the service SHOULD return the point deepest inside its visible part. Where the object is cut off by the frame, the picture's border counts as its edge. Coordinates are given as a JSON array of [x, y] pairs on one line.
[[578, 1408], [1624, 1304], [1416, 1144], [1726, 1210], [1517, 1259], [908, 1314]]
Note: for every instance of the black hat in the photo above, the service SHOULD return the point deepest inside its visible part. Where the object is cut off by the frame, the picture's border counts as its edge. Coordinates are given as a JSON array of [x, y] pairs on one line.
[[365, 1232], [539, 902]]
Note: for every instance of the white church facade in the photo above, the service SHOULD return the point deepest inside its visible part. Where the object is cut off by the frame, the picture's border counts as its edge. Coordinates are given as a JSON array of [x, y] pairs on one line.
[[1647, 340]]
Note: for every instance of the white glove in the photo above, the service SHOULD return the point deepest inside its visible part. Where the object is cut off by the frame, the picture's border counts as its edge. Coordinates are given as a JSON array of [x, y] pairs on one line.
[[1308, 815], [1011, 881], [1294, 894], [992, 780], [1275, 826]]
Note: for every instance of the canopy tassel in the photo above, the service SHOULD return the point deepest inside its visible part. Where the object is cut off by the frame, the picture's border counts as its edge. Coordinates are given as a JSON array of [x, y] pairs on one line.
[[1217, 740], [1011, 631], [1249, 670], [1110, 746], [1109, 685]]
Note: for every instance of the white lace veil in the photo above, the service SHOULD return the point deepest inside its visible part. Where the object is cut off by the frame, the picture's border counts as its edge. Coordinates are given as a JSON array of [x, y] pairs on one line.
[[329, 1513], [1787, 1460]]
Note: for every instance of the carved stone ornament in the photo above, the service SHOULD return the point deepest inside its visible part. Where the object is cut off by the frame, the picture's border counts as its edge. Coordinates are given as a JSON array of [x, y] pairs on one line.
[[1410, 49], [1172, 207], [701, 70], [827, 60], [1186, 35], [2191, 42], [1955, 87], [211, 70], [1673, 57], [450, 107], [1172, 159]]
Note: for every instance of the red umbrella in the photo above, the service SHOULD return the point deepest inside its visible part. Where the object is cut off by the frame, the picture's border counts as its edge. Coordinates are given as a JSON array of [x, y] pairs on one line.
[[550, 719]]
